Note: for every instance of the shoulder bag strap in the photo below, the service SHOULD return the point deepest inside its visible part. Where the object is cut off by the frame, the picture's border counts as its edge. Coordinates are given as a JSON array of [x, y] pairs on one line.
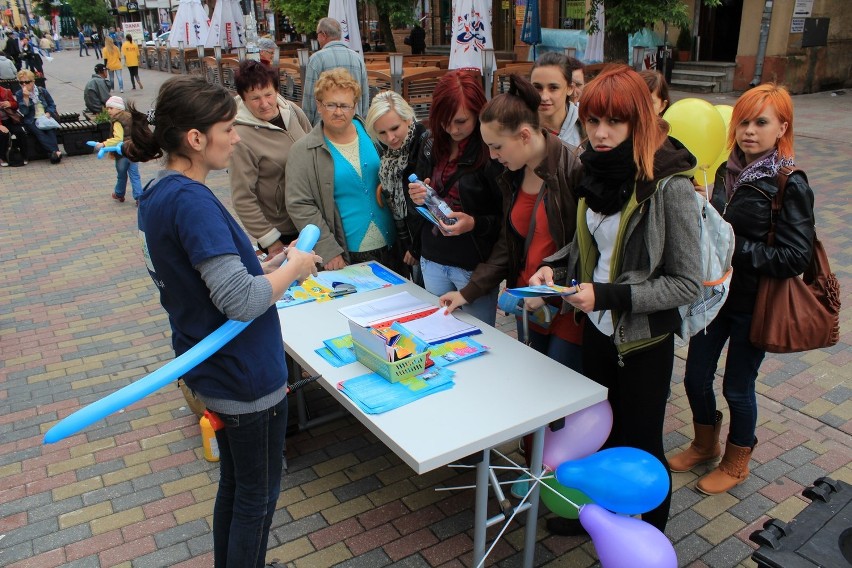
[[531, 230], [781, 181]]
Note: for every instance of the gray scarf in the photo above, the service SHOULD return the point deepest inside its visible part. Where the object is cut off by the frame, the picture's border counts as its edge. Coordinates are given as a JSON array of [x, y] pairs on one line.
[[390, 175]]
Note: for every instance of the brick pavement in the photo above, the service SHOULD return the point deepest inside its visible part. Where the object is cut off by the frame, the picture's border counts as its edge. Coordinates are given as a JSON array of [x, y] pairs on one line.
[[79, 318]]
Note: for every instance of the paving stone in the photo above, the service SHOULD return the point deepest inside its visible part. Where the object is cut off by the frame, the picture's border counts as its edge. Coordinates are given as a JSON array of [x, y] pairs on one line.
[[729, 553], [299, 528], [691, 548], [773, 469], [684, 524], [372, 559], [175, 535], [806, 474], [752, 507]]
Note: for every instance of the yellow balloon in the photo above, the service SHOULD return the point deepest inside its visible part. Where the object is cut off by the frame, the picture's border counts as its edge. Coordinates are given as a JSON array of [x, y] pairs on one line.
[[725, 111], [700, 127]]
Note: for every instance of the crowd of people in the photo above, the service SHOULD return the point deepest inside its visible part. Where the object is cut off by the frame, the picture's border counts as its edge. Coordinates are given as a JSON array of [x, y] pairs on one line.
[[555, 181]]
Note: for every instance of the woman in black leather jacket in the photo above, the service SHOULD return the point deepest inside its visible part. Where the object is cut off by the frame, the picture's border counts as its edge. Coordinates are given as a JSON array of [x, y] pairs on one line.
[[761, 135], [455, 162]]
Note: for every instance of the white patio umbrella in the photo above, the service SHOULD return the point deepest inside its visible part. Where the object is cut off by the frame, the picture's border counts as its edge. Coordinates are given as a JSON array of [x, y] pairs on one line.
[[345, 12], [190, 24], [227, 27], [471, 33], [594, 47]]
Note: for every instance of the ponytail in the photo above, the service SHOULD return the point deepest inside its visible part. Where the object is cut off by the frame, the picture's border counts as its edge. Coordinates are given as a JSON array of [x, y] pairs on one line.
[[515, 108]]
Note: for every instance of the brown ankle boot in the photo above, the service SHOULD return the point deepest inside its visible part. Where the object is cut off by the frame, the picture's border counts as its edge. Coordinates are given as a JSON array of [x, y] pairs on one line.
[[732, 470], [704, 448]]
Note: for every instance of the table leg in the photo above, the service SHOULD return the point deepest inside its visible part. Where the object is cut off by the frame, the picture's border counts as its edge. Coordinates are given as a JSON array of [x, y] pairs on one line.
[[480, 510], [532, 514]]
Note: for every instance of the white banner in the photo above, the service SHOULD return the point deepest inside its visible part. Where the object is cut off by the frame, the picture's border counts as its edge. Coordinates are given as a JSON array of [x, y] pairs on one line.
[[190, 24], [227, 26], [471, 33], [135, 30], [345, 12]]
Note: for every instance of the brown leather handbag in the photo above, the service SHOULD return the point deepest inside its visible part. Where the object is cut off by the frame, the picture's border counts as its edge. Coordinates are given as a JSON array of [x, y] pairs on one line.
[[798, 313]]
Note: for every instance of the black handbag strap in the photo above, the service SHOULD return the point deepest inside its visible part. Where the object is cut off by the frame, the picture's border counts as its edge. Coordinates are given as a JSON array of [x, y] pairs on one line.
[[778, 201]]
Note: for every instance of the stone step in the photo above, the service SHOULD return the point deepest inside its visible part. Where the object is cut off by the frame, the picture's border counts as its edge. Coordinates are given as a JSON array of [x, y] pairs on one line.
[[717, 78], [693, 86], [722, 72]]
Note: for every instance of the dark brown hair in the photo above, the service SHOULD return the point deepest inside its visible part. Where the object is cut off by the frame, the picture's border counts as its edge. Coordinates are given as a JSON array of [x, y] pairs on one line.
[[254, 75], [514, 108], [657, 85], [183, 103]]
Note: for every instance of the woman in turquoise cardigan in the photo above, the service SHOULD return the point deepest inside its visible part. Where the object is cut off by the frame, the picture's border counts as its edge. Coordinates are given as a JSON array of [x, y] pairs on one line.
[[333, 179]]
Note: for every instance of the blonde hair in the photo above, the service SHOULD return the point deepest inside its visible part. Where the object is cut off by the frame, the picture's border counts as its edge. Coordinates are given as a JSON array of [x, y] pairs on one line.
[[109, 45], [383, 103], [26, 75], [338, 78]]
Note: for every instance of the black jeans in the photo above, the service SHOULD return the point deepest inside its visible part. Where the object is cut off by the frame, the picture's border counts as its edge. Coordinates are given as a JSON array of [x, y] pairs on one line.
[[637, 393], [250, 450], [5, 139]]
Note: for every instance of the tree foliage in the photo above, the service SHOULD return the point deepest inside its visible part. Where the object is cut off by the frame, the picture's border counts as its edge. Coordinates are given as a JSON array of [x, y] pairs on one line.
[[90, 12], [304, 14], [625, 17]]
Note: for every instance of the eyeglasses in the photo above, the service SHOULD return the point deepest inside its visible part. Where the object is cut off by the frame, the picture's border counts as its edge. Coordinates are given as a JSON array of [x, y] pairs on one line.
[[332, 107], [24, 82]]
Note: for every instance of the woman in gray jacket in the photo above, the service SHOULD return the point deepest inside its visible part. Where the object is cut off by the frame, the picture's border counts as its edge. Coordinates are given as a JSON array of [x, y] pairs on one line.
[[635, 255], [268, 126]]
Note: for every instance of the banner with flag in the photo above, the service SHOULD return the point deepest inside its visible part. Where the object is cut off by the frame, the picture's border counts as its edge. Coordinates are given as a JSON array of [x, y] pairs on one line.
[[471, 33], [190, 24], [345, 12]]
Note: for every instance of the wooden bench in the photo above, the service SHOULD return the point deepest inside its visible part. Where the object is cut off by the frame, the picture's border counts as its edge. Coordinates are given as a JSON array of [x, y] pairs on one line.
[[418, 89], [290, 82]]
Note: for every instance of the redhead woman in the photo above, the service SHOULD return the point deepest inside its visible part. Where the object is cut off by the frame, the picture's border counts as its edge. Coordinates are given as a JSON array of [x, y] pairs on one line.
[[455, 162], [635, 255], [761, 135]]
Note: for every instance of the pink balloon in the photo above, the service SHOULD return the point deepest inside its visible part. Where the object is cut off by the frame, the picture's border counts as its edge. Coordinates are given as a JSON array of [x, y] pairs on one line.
[[583, 434], [625, 542]]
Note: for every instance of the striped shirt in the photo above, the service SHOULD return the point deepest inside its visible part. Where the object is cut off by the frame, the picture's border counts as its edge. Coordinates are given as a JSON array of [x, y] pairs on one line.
[[334, 54]]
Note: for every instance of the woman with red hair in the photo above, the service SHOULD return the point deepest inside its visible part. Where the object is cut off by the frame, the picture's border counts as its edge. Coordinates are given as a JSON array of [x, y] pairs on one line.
[[761, 138], [455, 162], [636, 256]]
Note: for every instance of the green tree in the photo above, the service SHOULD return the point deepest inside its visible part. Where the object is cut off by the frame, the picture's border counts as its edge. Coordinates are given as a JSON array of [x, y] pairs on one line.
[[90, 12], [304, 15], [43, 7], [624, 17]]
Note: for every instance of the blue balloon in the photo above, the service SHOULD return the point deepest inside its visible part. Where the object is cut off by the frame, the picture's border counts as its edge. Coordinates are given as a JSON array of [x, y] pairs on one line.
[[166, 374], [624, 480], [103, 151]]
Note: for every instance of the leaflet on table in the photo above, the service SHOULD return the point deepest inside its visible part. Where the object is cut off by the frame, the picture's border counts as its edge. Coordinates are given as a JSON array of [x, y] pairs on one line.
[[388, 309], [541, 291], [373, 394], [333, 283], [440, 326]]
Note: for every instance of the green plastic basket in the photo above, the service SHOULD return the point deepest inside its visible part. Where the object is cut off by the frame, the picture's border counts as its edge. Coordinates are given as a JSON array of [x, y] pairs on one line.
[[393, 372]]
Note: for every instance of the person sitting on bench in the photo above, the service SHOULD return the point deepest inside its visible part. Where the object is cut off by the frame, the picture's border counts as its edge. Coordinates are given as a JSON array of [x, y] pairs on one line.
[[96, 93]]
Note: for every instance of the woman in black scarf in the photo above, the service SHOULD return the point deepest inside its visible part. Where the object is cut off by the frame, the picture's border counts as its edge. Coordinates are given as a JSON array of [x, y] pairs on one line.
[[391, 123], [636, 256]]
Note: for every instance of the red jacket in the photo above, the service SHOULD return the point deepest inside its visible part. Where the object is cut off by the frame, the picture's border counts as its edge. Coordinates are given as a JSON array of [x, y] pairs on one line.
[[7, 95]]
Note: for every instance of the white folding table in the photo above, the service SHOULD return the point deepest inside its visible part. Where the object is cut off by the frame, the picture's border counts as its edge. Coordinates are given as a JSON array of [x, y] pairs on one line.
[[502, 395]]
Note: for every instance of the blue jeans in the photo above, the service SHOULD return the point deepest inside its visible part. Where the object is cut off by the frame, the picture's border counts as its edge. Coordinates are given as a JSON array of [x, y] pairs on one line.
[[250, 464], [124, 168], [741, 367], [561, 351], [440, 279], [113, 73]]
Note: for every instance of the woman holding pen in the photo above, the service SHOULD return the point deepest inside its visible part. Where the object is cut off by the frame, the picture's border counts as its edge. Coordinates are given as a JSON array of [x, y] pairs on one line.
[[636, 256], [539, 212]]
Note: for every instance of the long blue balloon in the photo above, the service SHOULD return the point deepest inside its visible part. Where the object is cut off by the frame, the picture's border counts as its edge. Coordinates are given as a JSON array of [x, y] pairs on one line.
[[167, 373]]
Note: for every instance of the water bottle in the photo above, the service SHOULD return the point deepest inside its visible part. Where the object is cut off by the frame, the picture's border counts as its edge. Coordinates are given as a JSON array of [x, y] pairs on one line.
[[209, 424], [435, 204]]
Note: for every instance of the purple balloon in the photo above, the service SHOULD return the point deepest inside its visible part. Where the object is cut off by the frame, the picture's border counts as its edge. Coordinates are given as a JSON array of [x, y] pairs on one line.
[[583, 434], [625, 542]]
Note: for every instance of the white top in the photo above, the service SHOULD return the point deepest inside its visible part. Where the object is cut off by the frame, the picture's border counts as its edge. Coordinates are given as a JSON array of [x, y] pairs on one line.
[[499, 396], [604, 230]]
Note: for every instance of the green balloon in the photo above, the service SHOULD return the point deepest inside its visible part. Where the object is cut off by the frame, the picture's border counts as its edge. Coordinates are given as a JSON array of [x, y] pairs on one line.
[[557, 504]]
